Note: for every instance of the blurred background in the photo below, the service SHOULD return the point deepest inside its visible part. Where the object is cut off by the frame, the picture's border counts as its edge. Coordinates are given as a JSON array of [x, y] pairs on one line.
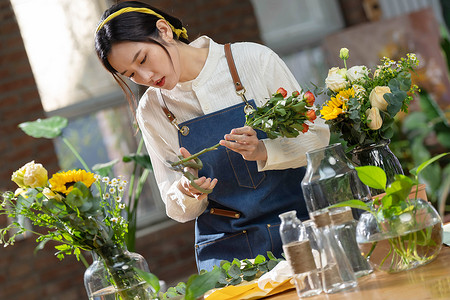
[[48, 67]]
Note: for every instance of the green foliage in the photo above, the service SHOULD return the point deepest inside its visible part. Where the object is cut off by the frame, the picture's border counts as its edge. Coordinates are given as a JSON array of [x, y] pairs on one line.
[[228, 273], [395, 201], [47, 128]]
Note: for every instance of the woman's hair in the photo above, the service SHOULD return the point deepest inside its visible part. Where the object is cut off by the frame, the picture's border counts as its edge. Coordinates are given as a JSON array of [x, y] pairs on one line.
[[130, 26]]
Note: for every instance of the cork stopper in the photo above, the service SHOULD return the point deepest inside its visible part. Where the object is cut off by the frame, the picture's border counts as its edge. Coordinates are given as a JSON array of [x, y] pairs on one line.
[[299, 255], [342, 217], [322, 219]]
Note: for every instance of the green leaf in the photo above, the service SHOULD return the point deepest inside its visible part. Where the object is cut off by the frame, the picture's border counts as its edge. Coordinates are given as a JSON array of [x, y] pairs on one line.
[[259, 259], [45, 128], [197, 285], [104, 169], [150, 278], [142, 160], [425, 164], [353, 204], [373, 176]]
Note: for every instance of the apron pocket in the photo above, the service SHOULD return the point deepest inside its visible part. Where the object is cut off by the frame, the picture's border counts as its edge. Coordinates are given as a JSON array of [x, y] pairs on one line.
[[275, 239], [228, 247], [245, 172]]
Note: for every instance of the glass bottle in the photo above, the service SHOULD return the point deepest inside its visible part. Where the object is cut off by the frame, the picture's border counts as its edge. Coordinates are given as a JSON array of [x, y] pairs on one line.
[[296, 247], [344, 226], [337, 273], [112, 276], [331, 178]]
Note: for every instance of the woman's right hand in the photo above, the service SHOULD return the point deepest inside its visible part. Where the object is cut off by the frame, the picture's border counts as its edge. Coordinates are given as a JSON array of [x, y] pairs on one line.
[[185, 185]]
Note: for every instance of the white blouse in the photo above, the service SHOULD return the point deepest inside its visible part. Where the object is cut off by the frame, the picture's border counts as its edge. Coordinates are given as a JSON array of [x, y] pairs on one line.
[[261, 72]]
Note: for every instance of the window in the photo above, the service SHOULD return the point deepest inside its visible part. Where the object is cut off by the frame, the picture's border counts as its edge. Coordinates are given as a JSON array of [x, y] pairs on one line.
[[59, 39]]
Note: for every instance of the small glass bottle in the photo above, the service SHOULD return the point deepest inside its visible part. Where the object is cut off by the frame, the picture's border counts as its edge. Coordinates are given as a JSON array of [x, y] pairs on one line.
[[296, 247], [337, 273], [344, 226]]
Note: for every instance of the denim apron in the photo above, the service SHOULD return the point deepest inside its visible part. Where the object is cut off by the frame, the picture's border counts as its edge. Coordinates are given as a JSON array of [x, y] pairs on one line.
[[255, 199]]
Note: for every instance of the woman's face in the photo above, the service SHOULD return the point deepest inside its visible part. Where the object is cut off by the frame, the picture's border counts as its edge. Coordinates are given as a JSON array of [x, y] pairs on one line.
[[146, 63]]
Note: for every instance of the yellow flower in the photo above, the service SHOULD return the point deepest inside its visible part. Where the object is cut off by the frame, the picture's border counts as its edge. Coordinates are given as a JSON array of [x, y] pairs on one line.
[[63, 182], [337, 105], [30, 175]]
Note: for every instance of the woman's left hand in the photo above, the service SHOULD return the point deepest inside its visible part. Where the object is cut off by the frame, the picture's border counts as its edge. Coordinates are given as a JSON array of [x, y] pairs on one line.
[[244, 141]]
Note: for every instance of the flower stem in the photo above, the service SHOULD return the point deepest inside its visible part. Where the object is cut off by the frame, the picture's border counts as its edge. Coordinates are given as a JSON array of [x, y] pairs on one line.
[[194, 156]]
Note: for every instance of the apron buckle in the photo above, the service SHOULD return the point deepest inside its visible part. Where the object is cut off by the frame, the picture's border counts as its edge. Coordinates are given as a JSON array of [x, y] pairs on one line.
[[183, 130]]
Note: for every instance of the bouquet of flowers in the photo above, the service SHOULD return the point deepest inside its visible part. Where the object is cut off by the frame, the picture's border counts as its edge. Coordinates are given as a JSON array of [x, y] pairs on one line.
[[66, 206], [363, 103], [74, 214], [280, 116]]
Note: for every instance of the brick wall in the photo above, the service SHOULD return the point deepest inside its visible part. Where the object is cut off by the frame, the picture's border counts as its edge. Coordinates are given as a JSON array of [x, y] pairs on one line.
[[168, 250]]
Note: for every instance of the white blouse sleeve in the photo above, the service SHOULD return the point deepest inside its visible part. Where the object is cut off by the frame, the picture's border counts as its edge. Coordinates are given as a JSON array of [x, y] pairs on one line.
[[283, 153], [162, 148]]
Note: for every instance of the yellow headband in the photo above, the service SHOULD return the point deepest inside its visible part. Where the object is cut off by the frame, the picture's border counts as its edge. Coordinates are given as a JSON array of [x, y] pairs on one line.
[[179, 32]]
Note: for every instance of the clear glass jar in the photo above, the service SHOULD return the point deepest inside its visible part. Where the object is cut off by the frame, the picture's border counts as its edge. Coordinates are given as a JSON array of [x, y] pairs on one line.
[[337, 273], [331, 178], [401, 242], [296, 247], [344, 226], [112, 276]]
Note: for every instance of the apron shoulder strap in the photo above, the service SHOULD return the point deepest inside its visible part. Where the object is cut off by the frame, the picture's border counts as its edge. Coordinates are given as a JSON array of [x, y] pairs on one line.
[[232, 66]]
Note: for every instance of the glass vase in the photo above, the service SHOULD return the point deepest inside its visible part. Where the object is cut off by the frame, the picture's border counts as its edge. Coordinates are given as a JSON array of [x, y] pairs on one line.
[[378, 154], [331, 178], [112, 275], [403, 241]]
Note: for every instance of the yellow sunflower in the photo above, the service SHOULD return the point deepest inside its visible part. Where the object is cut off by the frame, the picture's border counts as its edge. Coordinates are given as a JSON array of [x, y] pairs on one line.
[[63, 182], [337, 104]]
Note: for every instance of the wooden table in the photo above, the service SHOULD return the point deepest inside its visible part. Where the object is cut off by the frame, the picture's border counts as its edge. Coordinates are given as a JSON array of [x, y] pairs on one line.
[[431, 281]]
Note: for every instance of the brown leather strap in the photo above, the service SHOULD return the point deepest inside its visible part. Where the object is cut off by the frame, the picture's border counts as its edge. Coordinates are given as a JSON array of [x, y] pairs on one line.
[[224, 213], [166, 110], [231, 65]]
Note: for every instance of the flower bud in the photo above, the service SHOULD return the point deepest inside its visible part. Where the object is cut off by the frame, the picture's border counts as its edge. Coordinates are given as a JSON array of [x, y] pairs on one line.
[[51, 195], [295, 93], [343, 53], [282, 91], [309, 98], [311, 115], [374, 118], [305, 127], [376, 97]]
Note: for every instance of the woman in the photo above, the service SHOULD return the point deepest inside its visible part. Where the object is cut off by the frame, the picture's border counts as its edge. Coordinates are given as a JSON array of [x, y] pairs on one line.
[[191, 104]]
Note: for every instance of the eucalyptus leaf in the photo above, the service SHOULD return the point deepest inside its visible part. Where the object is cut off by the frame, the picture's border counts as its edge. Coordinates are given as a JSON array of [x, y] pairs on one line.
[[45, 128], [198, 285]]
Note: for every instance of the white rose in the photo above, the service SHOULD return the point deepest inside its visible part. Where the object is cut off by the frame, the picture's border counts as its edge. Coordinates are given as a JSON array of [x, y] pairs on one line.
[[374, 118], [335, 81], [376, 97], [356, 73], [30, 175]]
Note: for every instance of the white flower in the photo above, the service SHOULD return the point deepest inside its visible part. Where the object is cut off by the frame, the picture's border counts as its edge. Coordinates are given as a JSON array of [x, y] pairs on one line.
[[335, 80], [121, 206], [106, 196], [120, 188], [357, 72], [114, 220], [118, 199], [105, 179], [114, 181], [359, 90], [51, 195], [30, 175], [112, 190], [268, 123], [97, 177]]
